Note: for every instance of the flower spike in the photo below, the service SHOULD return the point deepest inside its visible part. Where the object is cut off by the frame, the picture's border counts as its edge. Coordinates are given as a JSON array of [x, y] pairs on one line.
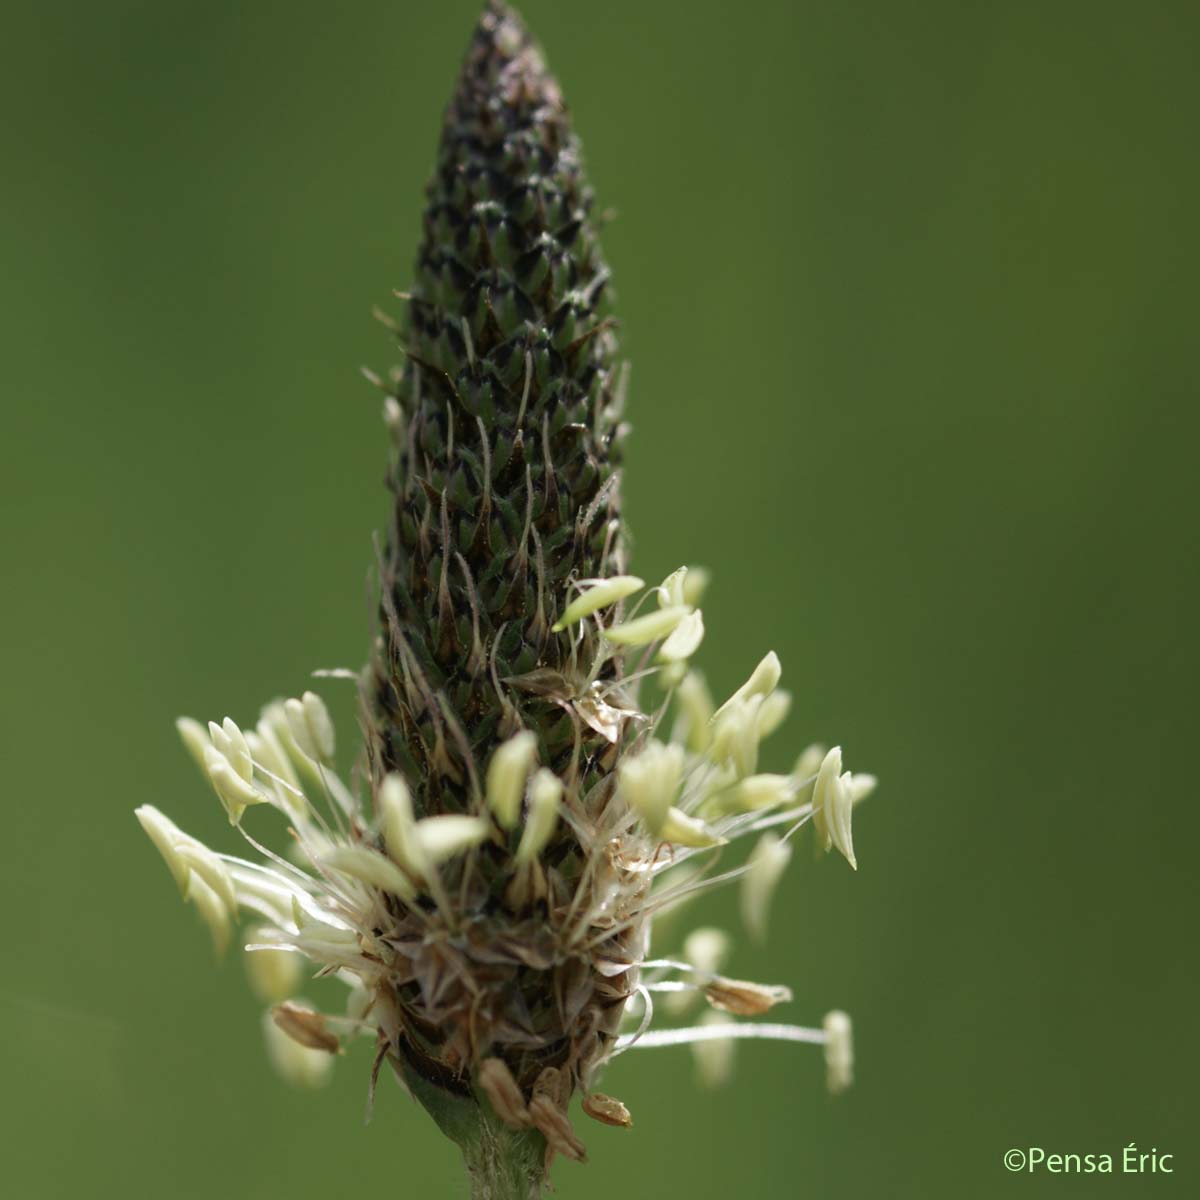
[[545, 782]]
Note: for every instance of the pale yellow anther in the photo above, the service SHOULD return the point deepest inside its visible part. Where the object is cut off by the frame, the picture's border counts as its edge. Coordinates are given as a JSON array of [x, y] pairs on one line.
[[809, 762], [235, 793], [861, 786], [670, 591], [397, 823], [274, 975], [764, 870], [506, 775], [311, 727], [649, 628], [735, 734], [545, 798], [839, 1052], [194, 737], [762, 682], [213, 911], [597, 596], [696, 707], [295, 1064], [496, 1081], [713, 1056], [200, 860], [370, 867], [833, 803], [681, 830], [275, 718], [695, 583], [684, 640], [442, 837], [707, 948], [827, 775], [166, 836], [269, 753], [840, 817], [228, 738], [773, 712], [762, 791], [298, 726], [649, 782]]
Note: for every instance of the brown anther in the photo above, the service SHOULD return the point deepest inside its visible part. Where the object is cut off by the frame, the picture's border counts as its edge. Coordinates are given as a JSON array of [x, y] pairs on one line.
[[554, 1085], [607, 1109], [502, 1091], [743, 998], [555, 1127], [305, 1026]]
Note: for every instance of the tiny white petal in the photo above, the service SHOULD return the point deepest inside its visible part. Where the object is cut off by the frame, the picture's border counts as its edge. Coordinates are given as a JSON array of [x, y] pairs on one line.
[[599, 595]]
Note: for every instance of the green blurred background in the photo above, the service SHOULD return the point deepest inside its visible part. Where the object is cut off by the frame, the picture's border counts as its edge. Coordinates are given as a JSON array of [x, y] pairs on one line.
[[910, 293]]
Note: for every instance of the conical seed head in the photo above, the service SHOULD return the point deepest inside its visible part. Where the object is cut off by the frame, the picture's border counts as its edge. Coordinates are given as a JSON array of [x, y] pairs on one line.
[[503, 483]]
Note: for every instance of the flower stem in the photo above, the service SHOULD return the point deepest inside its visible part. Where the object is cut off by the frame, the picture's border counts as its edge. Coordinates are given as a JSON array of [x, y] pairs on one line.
[[502, 1163]]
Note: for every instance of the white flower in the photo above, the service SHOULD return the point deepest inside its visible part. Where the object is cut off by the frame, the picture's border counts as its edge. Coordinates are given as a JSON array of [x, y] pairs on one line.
[[389, 894]]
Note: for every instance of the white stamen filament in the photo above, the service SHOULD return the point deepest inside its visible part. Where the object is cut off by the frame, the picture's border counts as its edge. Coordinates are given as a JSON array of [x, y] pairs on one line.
[[712, 1033]]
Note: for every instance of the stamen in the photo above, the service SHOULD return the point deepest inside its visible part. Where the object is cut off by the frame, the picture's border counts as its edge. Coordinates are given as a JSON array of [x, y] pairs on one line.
[[710, 1033]]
